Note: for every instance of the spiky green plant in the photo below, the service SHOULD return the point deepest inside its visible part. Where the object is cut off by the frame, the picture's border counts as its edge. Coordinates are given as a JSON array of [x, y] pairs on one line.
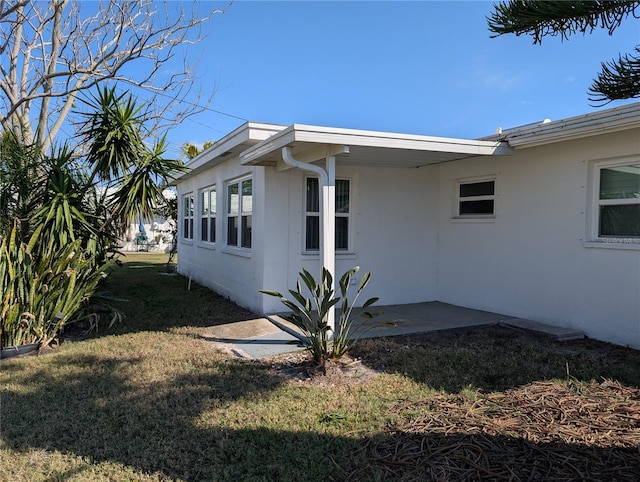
[[345, 329], [311, 315], [22, 181], [42, 290], [121, 159], [64, 225]]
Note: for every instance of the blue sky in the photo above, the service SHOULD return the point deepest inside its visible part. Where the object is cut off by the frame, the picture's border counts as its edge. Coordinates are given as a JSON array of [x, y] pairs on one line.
[[414, 67]]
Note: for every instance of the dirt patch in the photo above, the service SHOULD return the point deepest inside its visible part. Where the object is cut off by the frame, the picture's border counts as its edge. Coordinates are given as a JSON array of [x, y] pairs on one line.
[[300, 368]]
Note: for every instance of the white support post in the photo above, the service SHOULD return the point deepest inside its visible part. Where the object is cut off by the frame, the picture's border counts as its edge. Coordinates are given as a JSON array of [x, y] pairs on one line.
[[328, 238], [327, 185]]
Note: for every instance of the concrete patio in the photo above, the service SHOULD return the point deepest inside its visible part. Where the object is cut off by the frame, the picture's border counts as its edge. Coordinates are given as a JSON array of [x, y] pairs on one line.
[[272, 335]]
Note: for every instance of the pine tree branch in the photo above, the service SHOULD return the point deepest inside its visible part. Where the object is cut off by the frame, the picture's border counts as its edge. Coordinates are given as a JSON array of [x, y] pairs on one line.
[[551, 18], [618, 80]]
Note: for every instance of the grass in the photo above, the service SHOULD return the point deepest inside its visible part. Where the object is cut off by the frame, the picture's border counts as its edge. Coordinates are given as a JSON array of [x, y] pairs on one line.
[[152, 400]]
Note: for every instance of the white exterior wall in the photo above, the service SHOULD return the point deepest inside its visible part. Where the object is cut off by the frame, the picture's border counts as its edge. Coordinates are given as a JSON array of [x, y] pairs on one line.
[[531, 261], [393, 233], [235, 273]]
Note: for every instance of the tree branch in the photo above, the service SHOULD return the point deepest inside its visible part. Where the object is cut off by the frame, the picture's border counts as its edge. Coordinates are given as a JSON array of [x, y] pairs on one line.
[[617, 80], [551, 18], [75, 51]]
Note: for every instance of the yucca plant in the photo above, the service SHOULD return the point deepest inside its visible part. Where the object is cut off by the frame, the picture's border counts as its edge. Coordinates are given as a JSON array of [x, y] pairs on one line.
[[22, 181], [122, 160], [311, 314], [67, 211], [42, 290]]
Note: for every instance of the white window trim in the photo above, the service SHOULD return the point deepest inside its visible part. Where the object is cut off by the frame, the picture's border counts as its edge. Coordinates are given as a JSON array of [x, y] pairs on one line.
[[183, 217], [239, 249], [474, 218], [593, 239], [207, 244], [311, 253]]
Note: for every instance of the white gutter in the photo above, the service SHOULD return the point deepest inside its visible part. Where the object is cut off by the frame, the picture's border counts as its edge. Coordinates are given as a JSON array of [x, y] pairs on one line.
[[327, 212], [600, 122]]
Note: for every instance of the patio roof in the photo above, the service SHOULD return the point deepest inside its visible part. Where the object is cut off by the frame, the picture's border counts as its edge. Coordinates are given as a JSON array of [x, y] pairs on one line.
[[372, 148]]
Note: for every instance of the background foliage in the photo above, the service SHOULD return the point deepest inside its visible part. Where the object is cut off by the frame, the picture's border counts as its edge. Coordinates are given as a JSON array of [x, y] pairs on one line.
[[62, 213]]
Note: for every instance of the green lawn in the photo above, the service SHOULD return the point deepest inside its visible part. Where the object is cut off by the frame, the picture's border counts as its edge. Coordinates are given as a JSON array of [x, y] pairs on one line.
[[152, 400]]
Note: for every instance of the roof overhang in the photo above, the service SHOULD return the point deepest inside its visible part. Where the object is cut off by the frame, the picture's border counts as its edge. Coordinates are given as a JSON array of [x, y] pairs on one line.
[[231, 145], [372, 148]]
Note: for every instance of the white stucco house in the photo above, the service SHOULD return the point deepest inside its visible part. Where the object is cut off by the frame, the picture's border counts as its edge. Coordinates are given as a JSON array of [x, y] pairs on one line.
[[539, 222]]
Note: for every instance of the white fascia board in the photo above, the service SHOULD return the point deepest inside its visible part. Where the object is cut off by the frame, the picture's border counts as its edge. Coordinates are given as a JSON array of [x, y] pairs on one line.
[[392, 140], [601, 122], [247, 132], [386, 140], [274, 143]]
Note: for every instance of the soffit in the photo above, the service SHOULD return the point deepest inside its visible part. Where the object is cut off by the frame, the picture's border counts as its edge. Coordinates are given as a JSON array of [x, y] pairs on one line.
[[364, 156]]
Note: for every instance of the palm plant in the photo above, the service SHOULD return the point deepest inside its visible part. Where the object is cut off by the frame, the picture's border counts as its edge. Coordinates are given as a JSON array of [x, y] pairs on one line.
[[60, 214], [120, 159], [63, 215], [21, 182], [311, 315], [190, 150], [141, 189], [112, 132]]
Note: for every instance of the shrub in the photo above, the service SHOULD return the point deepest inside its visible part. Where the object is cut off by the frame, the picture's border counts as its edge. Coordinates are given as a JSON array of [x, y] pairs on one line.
[[42, 291], [311, 315]]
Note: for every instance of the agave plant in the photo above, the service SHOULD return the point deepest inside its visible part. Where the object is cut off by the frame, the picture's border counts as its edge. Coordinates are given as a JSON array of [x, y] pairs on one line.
[[311, 315]]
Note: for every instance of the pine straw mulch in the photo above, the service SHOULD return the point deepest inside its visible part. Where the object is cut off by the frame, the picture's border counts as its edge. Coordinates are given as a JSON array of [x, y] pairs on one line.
[[561, 431]]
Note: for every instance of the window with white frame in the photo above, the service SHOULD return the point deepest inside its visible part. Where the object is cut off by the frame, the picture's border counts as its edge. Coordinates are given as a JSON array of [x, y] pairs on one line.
[[312, 214], [208, 215], [618, 200], [239, 213], [475, 198], [188, 207]]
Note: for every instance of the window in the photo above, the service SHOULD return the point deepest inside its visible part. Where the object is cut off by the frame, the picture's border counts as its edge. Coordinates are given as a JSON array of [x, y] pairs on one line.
[[618, 200], [475, 199], [312, 214], [187, 216], [208, 215], [239, 213]]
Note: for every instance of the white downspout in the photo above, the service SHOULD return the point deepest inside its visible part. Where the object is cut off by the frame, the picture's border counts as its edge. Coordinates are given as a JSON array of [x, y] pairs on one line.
[[327, 181]]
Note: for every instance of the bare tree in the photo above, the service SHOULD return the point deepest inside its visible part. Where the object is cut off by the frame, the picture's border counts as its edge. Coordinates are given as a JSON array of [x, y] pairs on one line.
[[52, 51]]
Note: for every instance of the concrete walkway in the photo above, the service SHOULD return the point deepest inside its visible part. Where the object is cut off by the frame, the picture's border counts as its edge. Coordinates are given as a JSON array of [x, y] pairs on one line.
[[264, 337]]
